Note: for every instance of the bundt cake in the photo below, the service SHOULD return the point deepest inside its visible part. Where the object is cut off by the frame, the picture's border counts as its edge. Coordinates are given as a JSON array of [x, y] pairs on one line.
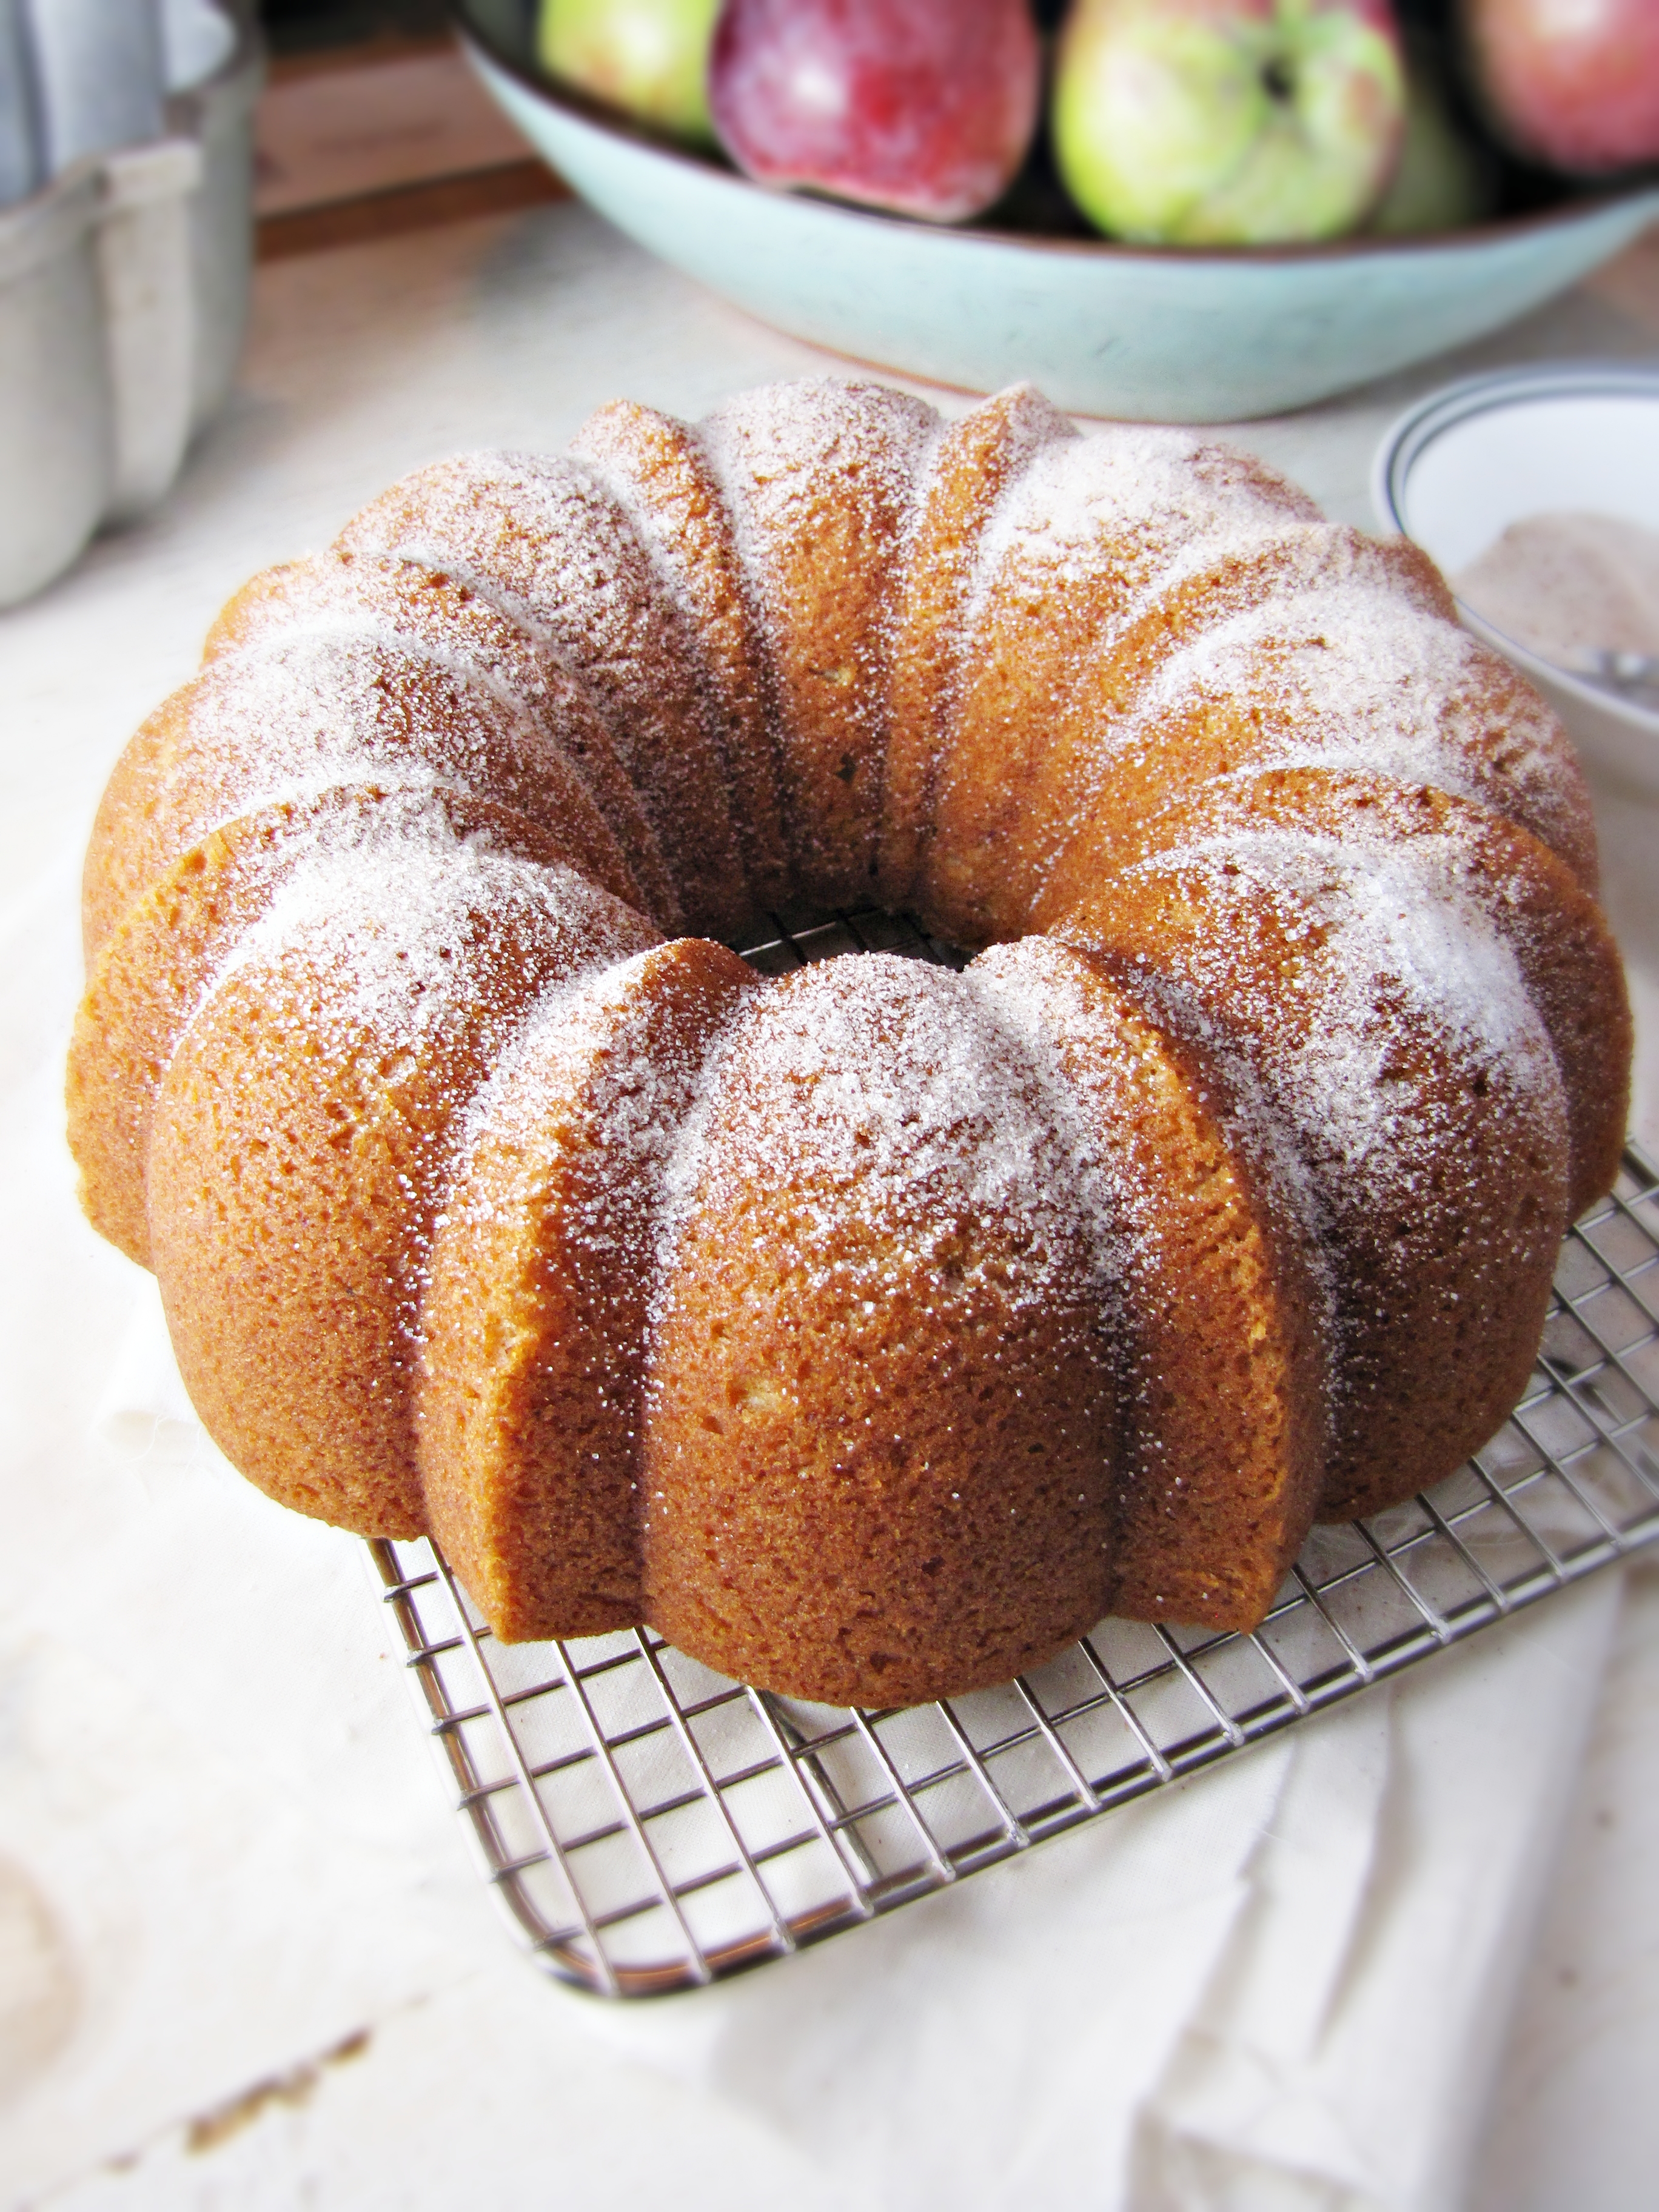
[[871, 1331]]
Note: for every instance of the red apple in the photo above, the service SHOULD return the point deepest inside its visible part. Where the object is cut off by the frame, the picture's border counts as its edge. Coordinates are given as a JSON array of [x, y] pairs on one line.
[[924, 107], [1573, 83]]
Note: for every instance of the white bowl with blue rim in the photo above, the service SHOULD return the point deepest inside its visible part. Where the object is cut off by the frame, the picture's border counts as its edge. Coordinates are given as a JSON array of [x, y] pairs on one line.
[[1153, 334], [1466, 461]]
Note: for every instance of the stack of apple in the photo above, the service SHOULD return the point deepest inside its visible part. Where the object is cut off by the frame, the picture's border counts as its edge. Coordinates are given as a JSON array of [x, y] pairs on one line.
[[1172, 122]]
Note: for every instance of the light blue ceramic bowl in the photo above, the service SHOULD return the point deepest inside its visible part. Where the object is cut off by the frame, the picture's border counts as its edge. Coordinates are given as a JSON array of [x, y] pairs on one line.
[[1156, 336]]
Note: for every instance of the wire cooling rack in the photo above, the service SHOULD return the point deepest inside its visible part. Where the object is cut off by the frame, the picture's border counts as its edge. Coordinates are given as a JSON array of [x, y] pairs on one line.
[[651, 1825]]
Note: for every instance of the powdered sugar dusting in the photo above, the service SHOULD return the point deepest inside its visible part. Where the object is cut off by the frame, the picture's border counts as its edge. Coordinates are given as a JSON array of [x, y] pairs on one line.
[[1033, 998], [309, 707], [1126, 499], [763, 445], [637, 1101], [777, 452], [820, 484], [1117, 1171], [559, 554], [882, 1097], [1378, 944], [405, 929], [552, 542], [538, 529], [1025, 1017], [1359, 673], [1350, 679]]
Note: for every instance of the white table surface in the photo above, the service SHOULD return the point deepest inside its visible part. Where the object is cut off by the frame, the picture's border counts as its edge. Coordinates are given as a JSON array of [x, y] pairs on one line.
[[466, 2078]]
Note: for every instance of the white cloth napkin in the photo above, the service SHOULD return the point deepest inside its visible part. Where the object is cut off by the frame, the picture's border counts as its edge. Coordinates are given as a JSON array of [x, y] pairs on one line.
[[1284, 1984]]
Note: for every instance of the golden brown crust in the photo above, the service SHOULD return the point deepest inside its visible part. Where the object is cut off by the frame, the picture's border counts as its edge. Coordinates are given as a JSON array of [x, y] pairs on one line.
[[1474, 726], [977, 459], [880, 1434], [304, 712], [156, 968], [302, 1144], [999, 828], [408, 605], [677, 505], [536, 1320], [820, 489], [1437, 1157], [1556, 932], [546, 540], [1217, 1302]]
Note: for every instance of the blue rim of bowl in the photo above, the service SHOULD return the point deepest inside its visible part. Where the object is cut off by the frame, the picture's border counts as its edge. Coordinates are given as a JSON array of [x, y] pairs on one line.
[[579, 108], [1411, 433]]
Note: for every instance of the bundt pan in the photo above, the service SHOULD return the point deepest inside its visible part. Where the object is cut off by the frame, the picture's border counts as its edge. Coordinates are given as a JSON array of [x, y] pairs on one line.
[[1138, 333], [875, 1331]]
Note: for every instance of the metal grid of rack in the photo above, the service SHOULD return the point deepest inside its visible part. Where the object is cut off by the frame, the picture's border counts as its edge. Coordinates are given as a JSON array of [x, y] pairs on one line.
[[650, 1826]]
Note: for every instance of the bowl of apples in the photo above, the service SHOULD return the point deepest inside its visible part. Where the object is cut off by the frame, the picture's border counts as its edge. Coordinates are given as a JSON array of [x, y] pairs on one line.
[[1179, 211]]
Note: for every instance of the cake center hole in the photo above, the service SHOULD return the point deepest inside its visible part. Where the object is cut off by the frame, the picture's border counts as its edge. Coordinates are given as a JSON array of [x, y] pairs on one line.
[[799, 937]]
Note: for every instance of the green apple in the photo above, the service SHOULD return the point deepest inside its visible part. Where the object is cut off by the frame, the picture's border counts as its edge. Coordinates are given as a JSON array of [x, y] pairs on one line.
[[649, 57], [1228, 122]]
